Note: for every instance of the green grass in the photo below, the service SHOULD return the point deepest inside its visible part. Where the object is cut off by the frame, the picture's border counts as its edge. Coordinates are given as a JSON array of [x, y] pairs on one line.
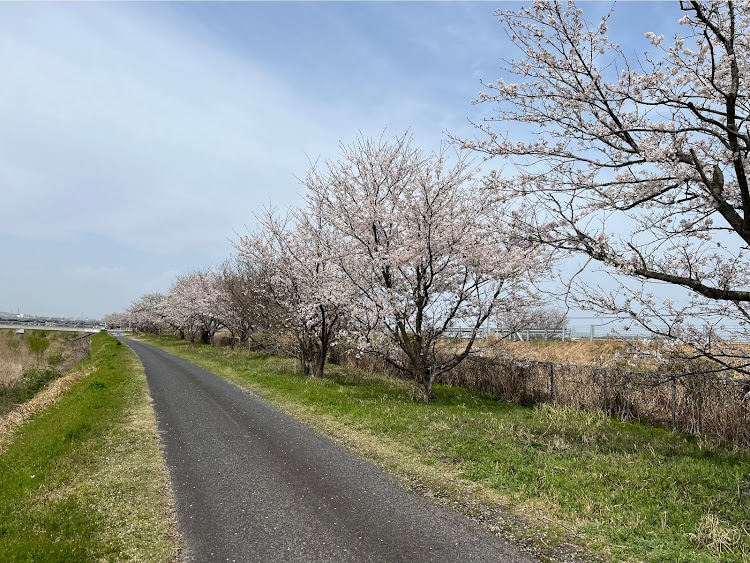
[[84, 479], [37, 342], [626, 491], [29, 385]]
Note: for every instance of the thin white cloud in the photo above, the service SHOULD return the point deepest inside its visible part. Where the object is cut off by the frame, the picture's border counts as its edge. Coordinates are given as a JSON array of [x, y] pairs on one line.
[[110, 122], [146, 130]]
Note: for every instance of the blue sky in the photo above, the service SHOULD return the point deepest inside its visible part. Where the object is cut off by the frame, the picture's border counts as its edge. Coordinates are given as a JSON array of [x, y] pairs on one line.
[[137, 138]]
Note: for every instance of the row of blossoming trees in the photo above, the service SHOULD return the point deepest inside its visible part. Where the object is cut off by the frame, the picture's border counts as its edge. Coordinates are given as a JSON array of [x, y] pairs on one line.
[[638, 164], [393, 246], [199, 304]]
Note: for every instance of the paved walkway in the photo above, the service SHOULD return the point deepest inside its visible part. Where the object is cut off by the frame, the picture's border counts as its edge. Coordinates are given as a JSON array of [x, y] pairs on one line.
[[252, 484]]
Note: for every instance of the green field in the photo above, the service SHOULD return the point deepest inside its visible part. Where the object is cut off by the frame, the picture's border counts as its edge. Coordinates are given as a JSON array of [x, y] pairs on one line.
[[625, 491]]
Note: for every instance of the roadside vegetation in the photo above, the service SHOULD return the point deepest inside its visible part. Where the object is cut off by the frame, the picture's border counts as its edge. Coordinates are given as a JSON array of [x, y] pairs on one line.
[[30, 361], [625, 491], [84, 480]]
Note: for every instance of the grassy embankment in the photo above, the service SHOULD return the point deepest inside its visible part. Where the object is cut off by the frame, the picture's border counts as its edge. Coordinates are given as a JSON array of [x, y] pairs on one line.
[[84, 480], [30, 361], [626, 491]]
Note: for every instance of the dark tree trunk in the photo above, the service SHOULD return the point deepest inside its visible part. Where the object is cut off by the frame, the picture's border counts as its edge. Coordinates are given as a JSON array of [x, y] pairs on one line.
[[424, 382], [424, 391], [320, 363]]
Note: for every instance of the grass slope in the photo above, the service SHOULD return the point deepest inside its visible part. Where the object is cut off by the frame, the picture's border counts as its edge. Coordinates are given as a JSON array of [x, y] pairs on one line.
[[628, 492], [84, 480], [29, 362], [23, 389]]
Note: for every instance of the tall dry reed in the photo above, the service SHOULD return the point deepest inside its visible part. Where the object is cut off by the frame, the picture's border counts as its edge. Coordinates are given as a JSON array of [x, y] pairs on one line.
[[15, 358], [20, 353]]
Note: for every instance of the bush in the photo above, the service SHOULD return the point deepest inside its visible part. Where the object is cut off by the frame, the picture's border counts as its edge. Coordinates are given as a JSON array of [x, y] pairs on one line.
[[38, 343]]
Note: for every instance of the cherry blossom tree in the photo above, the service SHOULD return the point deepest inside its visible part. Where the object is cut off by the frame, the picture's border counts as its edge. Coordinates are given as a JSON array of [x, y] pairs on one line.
[[241, 301], [303, 287], [192, 305], [116, 320], [417, 245], [639, 164], [533, 316], [145, 313]]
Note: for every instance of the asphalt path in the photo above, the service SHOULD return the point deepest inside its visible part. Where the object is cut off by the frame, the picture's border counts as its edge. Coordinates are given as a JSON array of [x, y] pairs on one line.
[[252, 484]]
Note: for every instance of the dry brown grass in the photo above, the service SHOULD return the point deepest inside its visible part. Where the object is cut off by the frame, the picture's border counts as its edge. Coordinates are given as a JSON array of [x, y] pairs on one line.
[[15, 357], [581, 352], [719, 537]]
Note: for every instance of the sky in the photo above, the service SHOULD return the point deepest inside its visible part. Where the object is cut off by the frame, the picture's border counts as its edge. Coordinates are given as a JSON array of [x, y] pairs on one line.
[[137, 140]]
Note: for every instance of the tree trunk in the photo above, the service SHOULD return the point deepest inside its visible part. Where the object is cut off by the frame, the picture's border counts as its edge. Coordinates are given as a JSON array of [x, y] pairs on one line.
[[424, 381], [321, 351], [320, 361], [424, 391]]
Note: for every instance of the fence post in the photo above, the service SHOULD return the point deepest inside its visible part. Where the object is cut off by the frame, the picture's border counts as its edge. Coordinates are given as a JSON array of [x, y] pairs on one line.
[[674, 402], [552, 381], [605, 390], [591, 334]]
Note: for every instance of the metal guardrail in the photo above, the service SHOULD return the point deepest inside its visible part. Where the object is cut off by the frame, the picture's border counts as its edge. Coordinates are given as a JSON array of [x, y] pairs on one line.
[[592, 332], [56, 327], [523, 335]]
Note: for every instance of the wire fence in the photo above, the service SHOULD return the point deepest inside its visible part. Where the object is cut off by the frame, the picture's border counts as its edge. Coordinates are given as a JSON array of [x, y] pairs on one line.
[[715, 405], [710, 405]]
